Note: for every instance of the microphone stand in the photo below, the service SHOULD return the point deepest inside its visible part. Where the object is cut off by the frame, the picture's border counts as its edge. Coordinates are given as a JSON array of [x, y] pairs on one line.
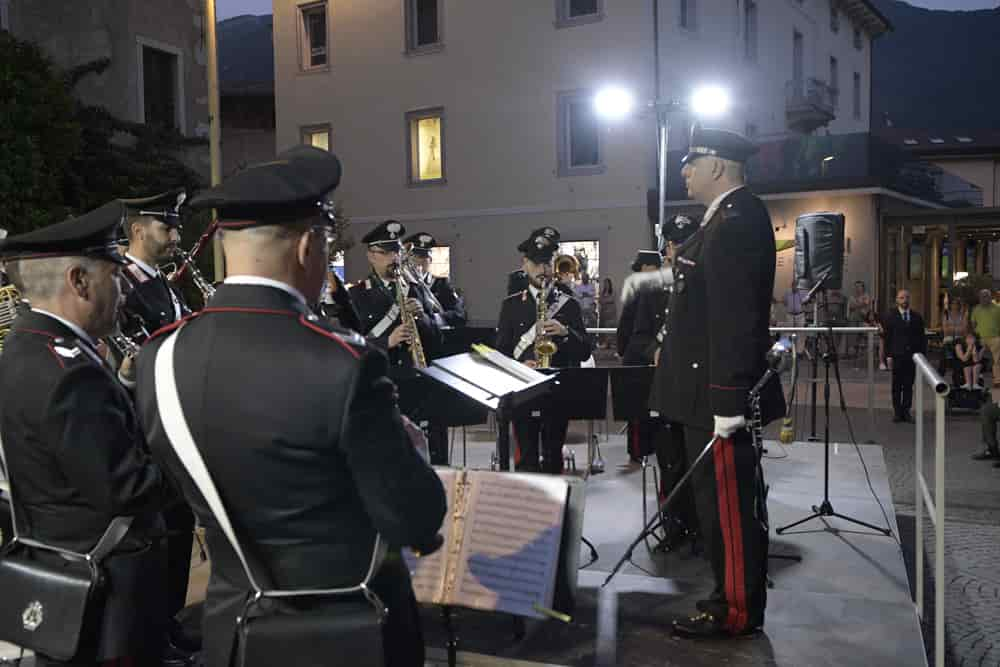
[[815, 357]]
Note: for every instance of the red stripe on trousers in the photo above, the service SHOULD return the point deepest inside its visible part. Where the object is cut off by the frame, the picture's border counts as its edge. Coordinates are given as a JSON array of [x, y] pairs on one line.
[[739, 558], [517, 446], [722, 490], [634, 440]]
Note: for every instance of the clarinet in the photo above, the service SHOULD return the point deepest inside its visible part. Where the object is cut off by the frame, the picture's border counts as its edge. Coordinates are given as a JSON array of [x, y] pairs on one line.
[[206, 288]]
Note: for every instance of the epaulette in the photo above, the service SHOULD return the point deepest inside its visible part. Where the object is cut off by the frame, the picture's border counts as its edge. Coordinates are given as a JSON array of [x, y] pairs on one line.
[[66, 348], [345, 337], [729, 211], [170, 327]]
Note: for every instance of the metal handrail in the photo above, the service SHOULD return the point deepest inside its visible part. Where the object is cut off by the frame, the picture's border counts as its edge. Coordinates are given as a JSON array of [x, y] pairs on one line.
[[936, 504]]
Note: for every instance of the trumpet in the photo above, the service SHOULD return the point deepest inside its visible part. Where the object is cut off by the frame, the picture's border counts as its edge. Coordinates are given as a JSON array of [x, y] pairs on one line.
[[545, 347], [206, 288], [416, 346]]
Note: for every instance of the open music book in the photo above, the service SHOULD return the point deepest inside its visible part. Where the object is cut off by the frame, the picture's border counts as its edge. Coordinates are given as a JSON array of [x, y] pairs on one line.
[[502, 535]]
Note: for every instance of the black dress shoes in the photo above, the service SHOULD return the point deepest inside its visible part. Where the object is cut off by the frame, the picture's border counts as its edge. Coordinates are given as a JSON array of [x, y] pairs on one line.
[[985, 455], [708, 626]]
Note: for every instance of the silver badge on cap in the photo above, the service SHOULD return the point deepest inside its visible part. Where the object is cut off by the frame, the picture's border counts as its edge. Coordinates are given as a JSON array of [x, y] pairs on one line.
[[393, 228], [425, 239]]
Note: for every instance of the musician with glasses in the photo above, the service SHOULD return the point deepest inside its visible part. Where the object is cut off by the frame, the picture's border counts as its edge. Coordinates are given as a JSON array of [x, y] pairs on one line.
[[518, 331], [295, 418], [408, 343], [446, 302], [73, 445]]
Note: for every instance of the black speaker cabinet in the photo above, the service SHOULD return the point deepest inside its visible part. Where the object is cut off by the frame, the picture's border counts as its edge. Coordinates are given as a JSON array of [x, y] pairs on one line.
[[819, 248]]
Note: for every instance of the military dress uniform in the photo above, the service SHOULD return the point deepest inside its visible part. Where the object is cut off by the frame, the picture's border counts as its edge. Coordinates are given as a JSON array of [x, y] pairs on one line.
[[152, 303], [714, 352], [447, 304], [75, 451], [517, 320], [378, 309], [298, 426]]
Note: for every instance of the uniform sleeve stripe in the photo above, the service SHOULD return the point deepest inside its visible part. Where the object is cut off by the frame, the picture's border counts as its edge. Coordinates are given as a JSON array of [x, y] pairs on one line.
[[329, 334]]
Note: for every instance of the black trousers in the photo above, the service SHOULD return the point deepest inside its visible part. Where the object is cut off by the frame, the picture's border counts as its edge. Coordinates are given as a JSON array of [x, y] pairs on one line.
[[990, 415], [733, 526], [903, 373], [180, 539], [641, 435], [671, 456], [437, 443], [528, 433], [402, 636]]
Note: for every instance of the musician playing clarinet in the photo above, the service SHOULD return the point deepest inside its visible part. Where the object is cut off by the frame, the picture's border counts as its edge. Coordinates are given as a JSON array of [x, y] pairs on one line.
[[519, 333], [153, 230]]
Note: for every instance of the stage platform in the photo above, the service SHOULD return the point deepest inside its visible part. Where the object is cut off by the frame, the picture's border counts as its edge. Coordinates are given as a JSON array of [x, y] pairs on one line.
[[846, 603]]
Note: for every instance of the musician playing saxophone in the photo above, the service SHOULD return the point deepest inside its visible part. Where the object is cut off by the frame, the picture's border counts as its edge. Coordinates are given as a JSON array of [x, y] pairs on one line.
[[527, 329]]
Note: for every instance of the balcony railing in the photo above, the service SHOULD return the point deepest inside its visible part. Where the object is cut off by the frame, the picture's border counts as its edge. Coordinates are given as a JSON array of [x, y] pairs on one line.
[[809, 103]]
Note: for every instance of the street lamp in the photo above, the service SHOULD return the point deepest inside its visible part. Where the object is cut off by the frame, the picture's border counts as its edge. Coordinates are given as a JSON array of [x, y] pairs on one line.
[[708, 101]]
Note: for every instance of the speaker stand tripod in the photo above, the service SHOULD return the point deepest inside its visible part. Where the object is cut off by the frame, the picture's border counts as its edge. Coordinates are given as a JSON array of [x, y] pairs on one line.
[[825, 508]]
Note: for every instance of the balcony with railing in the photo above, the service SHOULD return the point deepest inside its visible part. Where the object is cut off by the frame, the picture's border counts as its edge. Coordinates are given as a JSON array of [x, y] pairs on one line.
[[809, 103]]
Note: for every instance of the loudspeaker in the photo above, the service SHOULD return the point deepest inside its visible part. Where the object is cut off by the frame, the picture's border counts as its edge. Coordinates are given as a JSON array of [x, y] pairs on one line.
[[819, 248]]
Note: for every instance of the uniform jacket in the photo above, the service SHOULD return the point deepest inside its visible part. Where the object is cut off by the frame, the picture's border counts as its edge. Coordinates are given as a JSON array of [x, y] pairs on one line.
[[904, 339], [298, 425], [645, 298], [373, 300], [151, 299], [76, 459], [518, 314], [716, 339], [450, 300]]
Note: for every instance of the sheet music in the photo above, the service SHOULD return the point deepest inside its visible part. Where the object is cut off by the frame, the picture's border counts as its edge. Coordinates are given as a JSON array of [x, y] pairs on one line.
[[510, 547], [428, 572]]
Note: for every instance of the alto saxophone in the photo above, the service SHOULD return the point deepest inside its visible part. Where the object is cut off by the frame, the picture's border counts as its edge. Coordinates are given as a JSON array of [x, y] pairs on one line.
[[416, 346], [545, 347], [206, 288]]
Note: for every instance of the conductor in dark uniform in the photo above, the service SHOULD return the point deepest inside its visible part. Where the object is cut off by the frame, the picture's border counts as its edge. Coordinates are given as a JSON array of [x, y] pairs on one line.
[[73, 445], [382, 324], [153, 230], [904, 337], [447, 303], [295, 418], [714, 352], [518, 329]]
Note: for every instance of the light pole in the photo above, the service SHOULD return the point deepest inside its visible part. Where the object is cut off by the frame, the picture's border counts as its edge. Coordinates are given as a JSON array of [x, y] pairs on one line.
[[615, 103]]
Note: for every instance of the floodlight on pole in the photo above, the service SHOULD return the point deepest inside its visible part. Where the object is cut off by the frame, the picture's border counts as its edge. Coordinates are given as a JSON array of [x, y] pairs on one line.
[[613, 103], [710, 101]]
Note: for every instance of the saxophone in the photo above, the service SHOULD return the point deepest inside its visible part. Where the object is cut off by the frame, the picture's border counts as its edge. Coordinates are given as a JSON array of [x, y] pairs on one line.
[[545, 347], [206, 288], [416, 346], [9, 299]]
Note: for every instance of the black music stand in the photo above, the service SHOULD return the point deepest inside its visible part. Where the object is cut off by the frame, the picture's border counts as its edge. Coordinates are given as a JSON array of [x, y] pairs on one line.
[[490, 387], [581, 394]]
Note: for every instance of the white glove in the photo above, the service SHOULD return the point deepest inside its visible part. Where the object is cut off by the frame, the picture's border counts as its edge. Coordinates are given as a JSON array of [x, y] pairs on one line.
[[726, 426]]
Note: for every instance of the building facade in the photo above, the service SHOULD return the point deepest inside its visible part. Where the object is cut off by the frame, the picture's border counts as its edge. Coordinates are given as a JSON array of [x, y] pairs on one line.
[[471, 120], [155, 48]]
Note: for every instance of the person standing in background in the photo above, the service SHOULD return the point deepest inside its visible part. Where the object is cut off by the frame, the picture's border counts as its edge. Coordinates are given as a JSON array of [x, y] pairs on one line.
[[986, 325]]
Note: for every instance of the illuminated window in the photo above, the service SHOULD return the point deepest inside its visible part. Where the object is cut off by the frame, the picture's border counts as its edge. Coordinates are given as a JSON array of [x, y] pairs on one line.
[[423, 25], [441, 261], [578, 12], [317, 135], [427, 150], [579, 135], [312, 36]]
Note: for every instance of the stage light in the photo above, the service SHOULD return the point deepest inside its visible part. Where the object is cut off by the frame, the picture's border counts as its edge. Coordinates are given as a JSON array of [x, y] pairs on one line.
[[710, 101], [613, 103]]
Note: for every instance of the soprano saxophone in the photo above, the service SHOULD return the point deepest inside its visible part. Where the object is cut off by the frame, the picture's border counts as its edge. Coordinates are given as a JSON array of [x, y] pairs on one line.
[[545, 347], [416, 346]]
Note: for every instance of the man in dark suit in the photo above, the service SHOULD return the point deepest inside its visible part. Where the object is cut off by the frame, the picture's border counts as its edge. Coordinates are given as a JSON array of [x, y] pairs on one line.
[[446, 303], [904, 337], [382, 324], [74, 448], [295, 419], [714, 352], [153, 229], [517, 332]]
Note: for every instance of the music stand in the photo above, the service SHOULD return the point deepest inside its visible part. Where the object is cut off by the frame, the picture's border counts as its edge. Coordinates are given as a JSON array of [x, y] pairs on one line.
[[423, 398], [489, 386], [580, 394]]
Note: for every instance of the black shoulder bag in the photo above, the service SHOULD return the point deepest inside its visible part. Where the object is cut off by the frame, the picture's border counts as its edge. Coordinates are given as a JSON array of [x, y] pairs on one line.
[[321, 632], [53, 599]]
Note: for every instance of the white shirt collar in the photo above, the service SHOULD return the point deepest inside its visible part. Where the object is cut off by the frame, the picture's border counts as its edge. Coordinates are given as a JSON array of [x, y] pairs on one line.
[[714, 206], [151, 271], [72, 326], [267, 282]]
